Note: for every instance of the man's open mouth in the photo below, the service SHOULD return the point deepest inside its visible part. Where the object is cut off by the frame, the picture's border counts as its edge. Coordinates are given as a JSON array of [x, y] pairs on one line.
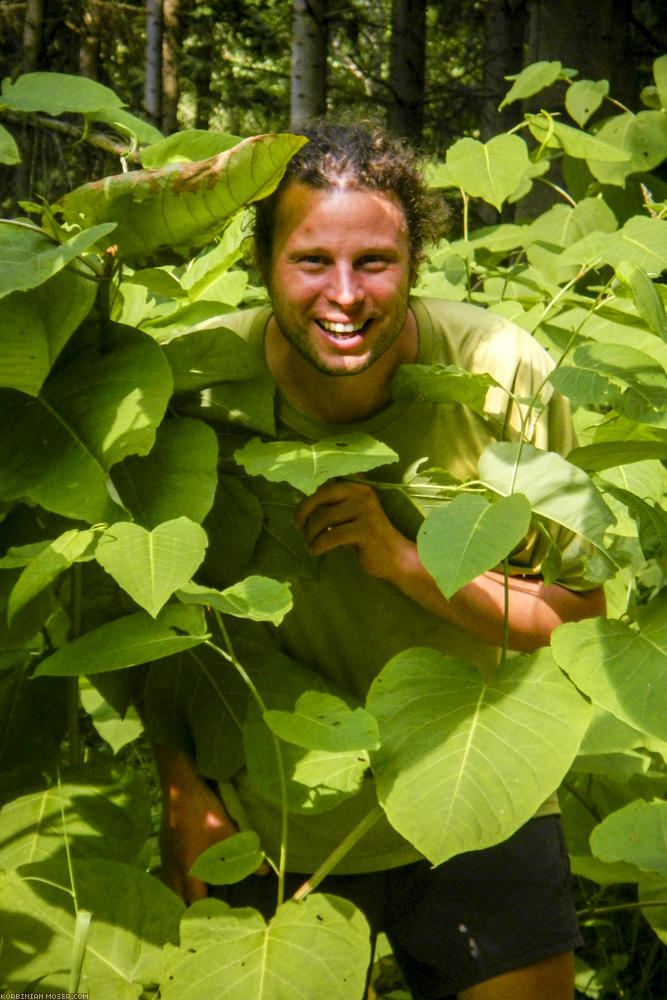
[[342, 329]]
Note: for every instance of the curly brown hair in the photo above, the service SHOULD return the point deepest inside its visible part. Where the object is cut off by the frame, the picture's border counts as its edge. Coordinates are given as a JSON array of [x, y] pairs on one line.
[[355, 156]]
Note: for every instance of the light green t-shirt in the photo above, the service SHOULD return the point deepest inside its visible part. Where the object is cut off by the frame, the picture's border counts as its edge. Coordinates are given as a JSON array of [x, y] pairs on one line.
[[345, 625]]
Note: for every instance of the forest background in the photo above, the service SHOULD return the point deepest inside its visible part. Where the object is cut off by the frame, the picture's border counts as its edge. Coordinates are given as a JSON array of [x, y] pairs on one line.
[[434, 73]]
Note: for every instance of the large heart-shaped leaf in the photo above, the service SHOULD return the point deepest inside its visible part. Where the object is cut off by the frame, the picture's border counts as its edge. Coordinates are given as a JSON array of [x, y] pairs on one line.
[[55, 93], [491, 170], [101, 404], [151, 565], [623, 669], [318, 948], [307, 466], [469, 536], [463, 764], [181, 205]]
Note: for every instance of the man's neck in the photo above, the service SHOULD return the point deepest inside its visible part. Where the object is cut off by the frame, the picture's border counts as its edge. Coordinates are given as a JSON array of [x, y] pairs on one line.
[[337, 398]]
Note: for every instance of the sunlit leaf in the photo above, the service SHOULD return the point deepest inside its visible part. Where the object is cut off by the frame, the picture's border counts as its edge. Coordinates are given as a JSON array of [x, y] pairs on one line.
[[478, 536], [642, 136], [442, 384], [308, 466], [151, 565], [532, 80], [637, 833], [491, 170], [258, 598], [463, 764], [620, 667], [645, 295], [606, 454], [181, 205], [321, 721], [584, 97], [575, 142], [187, 146], [318, 948], [55, 93], [29, 257], [58, 556]]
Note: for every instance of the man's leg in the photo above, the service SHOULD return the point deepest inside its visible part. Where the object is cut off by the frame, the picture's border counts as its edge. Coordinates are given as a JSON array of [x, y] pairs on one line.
[[552, 978]]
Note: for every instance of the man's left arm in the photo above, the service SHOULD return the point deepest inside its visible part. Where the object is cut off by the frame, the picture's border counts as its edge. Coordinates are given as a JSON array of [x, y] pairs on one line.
[[344, 513]]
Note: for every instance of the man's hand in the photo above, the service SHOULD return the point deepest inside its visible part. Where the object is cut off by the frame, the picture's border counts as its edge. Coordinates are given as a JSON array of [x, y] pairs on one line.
[[349, 513]]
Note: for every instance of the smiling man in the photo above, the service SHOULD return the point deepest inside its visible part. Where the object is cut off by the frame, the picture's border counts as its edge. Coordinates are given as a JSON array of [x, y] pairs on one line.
[[339, 244]]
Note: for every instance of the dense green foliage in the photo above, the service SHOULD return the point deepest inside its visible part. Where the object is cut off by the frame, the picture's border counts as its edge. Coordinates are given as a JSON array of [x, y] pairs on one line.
[[113, 304]]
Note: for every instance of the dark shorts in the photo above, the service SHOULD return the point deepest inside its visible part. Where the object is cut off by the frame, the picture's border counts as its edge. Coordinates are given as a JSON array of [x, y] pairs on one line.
[[474, 917]]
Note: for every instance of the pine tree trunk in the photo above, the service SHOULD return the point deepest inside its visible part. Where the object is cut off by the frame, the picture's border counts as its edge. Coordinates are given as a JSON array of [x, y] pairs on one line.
[[32, 35], [309, 61], [89, 51], [171, 47], [153, 77], [407, 68]]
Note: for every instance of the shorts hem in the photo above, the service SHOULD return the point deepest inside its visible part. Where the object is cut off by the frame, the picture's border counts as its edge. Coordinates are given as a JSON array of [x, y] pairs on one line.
[[511, 964]]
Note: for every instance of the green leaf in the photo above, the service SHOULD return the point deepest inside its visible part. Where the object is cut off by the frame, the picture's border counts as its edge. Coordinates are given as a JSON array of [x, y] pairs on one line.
[[187, 146], [308, 466], [555, 488], [229, 861], [584, 97], [28, 257], [651, 893], [126, 642], [574, 142], [645, 295], [133, 915], [102, 809], [595, 457], [660, 77], [181, 205], [127, 125], [58, 556], [478, 537], [322, 721], [643, 137], [101, 404], [318, 948], [56, 93], [531, 80], [615, 375], [637, 834], [491, 170], [115, 730], [177, 478], [33, 716], [442, 384], [257, 598], [152, 565], [621, 668], [463, 764], [9, 151], [201, 358], [36, 325]]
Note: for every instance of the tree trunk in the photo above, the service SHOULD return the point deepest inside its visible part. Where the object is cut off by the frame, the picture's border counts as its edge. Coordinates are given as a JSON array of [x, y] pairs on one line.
[[32, 35], [153, 78], [89, 52], [505, 27], [309, 61], [171, 48], [407, 68]]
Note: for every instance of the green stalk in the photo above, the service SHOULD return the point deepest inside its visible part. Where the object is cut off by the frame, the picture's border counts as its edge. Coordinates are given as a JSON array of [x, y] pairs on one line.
[[73, 727], [230, 656], [338, 853]]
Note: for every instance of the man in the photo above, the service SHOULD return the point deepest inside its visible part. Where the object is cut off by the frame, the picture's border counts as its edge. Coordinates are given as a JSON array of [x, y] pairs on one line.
[[338, 245]]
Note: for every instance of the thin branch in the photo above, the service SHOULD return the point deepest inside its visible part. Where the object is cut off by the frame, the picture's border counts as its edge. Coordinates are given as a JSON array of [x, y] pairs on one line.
[[74, 132]]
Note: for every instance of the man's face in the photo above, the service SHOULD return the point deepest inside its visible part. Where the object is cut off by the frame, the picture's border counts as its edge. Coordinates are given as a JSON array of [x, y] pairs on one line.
[[339, 275]]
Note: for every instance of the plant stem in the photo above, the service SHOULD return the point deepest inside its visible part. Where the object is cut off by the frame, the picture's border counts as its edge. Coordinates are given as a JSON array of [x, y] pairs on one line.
[[338, 853], [73, 727], [238, 666]]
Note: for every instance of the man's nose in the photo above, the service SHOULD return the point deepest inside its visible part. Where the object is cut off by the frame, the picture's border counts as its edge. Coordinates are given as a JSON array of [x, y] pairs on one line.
[[344, 285]]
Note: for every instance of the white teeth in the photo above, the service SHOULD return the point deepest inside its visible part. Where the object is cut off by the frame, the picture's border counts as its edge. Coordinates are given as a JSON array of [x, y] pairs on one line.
[[343, 328]]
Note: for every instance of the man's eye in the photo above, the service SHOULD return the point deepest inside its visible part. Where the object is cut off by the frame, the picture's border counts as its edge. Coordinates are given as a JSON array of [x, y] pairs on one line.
[[373, 262], [311, 260]]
